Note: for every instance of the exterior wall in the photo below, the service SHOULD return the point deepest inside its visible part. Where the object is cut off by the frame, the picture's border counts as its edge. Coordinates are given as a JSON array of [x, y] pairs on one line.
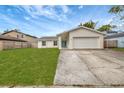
[[32, 40], [59, 42], [85, 33], [1, 45], [120, 41], [49, 44]]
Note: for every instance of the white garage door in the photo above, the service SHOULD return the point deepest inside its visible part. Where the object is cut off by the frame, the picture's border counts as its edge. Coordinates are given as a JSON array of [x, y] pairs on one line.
[[85, 42]]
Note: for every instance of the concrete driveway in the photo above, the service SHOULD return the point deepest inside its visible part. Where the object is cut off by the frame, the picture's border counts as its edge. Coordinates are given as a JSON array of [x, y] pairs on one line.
[[90, 68]]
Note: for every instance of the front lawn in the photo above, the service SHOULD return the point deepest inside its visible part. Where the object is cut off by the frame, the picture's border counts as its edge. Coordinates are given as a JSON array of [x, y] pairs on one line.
[[118, 49], [26, 67]]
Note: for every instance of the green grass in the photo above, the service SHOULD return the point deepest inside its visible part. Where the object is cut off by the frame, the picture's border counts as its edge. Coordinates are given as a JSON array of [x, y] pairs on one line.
[[26, 67], [118, 49]]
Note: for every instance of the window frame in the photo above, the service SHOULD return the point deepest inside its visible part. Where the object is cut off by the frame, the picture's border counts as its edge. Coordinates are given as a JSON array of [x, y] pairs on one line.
[[55, 43], [22, 36], [17, 36], [43, 43]]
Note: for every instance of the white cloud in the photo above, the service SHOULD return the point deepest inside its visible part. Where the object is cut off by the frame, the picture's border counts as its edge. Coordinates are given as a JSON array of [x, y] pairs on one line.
[[9, 10], [26, 18], [47, 11], [15, 24], [65, 8], [115, 20], [8, 20], [106, 21], [80, 7]]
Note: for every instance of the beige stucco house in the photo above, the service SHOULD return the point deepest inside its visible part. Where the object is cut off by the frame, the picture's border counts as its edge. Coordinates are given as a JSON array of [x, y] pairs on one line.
[[17, 34], [48, 42], [81, 38], [78, 38]]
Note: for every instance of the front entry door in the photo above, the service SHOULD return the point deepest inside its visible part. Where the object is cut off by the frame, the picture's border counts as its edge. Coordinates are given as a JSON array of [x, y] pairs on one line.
[[64, 44]]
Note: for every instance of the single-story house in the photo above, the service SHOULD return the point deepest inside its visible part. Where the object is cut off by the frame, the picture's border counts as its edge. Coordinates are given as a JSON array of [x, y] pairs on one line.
[[48, 42], [119, 37], [78, 38], [7, 42], [81, 38]]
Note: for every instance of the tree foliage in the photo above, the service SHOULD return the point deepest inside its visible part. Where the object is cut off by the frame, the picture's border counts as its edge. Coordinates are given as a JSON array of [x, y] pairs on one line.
[[118, 10], [6, 30], [107, 27], [90, 24], [118, 19]]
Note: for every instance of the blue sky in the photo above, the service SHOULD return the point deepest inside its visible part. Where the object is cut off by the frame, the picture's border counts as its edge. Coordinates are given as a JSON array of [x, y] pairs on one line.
[[50, 20]]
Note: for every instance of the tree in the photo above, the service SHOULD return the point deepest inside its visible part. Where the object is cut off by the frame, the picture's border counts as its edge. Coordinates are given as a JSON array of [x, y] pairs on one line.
[[118, 18], [107, 27], [118, 10], [90, 24], [6, 30]]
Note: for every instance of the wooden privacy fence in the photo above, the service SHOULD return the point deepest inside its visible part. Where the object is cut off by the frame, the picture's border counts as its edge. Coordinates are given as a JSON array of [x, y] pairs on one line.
[[15, 44], [110, 43]]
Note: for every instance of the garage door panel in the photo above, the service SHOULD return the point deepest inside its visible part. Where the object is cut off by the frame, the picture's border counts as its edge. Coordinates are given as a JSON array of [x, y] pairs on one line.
[[85, 42]]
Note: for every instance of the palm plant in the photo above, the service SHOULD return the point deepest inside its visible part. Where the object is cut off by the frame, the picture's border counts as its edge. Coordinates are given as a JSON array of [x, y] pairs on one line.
[[117, 10], [118, 19], [107, 27], [90, 24]]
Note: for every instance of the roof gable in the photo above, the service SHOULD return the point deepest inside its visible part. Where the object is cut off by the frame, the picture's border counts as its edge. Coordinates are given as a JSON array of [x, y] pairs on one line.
[[18, 32], [82, 27]]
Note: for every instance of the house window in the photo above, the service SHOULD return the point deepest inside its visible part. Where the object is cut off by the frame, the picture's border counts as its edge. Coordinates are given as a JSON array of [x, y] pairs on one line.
[[43, 43], [17, 36], [55, 43], [22, 36]]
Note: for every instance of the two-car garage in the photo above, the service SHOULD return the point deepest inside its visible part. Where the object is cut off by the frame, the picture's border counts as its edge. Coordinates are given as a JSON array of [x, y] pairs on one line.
[[85, 42]]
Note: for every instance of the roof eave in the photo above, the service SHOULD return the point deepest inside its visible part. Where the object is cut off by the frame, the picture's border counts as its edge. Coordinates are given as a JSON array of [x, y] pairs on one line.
[[79, 28], [18, 32]]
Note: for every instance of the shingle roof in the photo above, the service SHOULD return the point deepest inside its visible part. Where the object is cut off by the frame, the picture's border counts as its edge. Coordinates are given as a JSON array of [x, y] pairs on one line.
[[112, 32], [18, 32], [115, 35], [2, 37], [48, 38]]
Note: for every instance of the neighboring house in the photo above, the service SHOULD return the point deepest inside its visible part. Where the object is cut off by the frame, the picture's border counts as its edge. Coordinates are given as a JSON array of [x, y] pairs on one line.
[[48, 42], [81, 38], [119, 37], [107, 33], [7, 42], [14, 33]]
